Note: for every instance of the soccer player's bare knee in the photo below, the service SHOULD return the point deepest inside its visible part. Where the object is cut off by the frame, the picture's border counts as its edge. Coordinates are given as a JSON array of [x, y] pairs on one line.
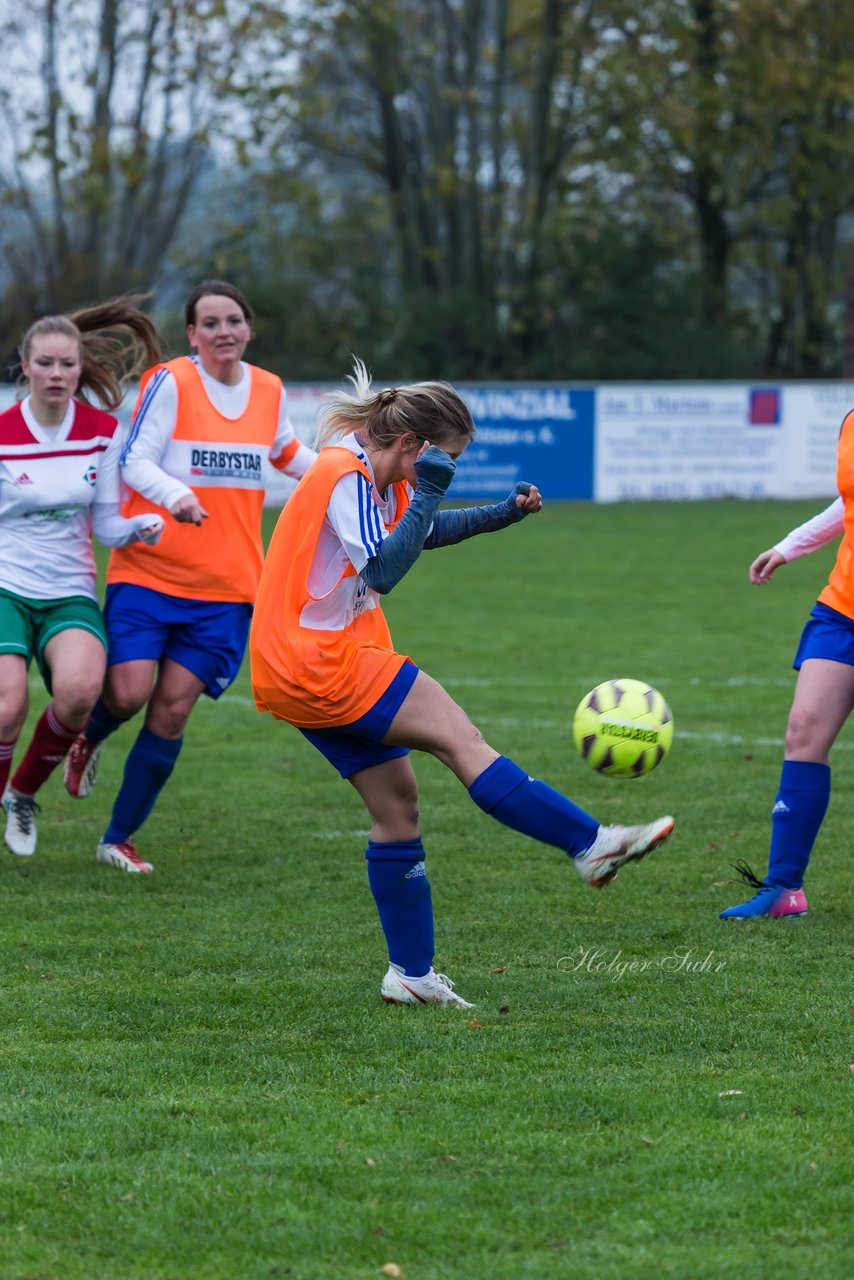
[[401, 801], [464, 747], [805, 735], [74, 702], [390, 794], [13, 714], [168, 717], [388, 813], [124, 693], [124, 703]]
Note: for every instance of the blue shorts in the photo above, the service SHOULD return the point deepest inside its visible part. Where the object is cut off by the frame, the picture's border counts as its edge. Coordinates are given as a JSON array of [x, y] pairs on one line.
[[828, 634], [357, 746], [208, 637]]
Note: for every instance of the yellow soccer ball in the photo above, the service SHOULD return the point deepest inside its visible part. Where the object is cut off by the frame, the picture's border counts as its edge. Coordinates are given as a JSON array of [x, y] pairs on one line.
[[623, 728]]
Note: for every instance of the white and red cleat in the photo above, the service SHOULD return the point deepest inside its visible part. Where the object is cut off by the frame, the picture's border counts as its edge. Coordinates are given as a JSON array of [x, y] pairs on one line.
[[433, 988], [616, 845], [81, 767], [124, 856]]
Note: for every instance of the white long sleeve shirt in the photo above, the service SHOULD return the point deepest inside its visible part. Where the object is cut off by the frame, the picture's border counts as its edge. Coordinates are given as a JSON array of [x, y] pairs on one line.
[[57, 486], [142, 459], [813, 533]]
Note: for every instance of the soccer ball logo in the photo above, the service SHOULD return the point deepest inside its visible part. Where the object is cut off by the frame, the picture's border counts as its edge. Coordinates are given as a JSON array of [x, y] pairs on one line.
[[623, 728]]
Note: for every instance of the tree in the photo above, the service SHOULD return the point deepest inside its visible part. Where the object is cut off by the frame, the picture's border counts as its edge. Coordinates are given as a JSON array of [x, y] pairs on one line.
[[741, 111], [107, 110], [464, 116]]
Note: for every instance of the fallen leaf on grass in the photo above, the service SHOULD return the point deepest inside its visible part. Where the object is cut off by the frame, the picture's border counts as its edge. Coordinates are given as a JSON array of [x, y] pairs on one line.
[[851, 1066], [721, 884], [449, 1157], [393, 1270], [742, 1115], [370, 1160], [731, 1093], [475, 1025], [648, 1142], [502, 968], [713, 844], [129, 1196]]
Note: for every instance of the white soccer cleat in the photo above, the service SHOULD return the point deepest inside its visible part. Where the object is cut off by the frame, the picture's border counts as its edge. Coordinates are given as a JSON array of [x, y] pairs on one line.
[[20, 822], [616, 845], [81, 767], [124, 856], [433, 988]]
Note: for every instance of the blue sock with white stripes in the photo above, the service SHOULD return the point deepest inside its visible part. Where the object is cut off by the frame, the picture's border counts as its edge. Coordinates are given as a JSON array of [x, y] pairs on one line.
[[401, 891], [507, 793], [102, 723], [150, 761], [798, 813]]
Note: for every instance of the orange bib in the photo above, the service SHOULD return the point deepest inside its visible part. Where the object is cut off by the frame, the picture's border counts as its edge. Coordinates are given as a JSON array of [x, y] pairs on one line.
[[318, 678], [222, 460], [839, 592]]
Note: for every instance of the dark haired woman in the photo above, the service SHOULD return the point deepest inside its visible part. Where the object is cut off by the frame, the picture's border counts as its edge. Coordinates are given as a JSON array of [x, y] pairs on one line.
[[59, 482], [323, 660], [203, 428]]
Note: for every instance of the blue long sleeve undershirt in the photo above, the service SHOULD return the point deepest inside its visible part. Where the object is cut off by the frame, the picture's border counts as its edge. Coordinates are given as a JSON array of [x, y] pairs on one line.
[[399, 551], [460, 523]]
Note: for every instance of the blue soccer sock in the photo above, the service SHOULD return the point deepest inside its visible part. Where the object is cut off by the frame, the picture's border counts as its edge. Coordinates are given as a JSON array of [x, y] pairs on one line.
[[102, 723], [797, 816], [401, 891], [150, 761], [507, 793]]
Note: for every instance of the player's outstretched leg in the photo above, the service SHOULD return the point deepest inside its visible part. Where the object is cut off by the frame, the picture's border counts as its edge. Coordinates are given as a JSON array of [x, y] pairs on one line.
[[614, 846], [524, 803]]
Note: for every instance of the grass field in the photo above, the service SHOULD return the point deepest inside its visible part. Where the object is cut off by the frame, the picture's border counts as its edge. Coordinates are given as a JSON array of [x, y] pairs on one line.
[[200, 1081]]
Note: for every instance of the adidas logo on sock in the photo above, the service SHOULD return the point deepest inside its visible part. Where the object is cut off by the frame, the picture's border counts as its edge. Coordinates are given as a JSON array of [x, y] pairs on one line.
[[414, 872], [780, 807]]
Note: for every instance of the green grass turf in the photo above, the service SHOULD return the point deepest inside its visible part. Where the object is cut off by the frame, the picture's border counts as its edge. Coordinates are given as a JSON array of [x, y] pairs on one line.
[[200, 1081]]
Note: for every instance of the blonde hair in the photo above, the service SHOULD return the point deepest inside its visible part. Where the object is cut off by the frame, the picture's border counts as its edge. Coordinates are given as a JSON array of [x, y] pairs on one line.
[[432, 411], [117, 342]]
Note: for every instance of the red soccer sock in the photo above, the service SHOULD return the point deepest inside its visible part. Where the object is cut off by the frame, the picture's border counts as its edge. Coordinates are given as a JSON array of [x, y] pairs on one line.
[[6, 750], [48, 747]]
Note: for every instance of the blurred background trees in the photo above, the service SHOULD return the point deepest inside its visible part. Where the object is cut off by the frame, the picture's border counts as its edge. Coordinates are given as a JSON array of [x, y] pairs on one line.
[[471, 189]]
